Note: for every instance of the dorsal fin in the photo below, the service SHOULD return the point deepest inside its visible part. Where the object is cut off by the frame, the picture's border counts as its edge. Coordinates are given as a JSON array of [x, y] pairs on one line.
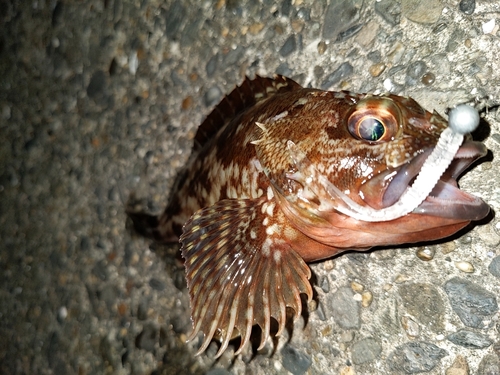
[[241, 98]]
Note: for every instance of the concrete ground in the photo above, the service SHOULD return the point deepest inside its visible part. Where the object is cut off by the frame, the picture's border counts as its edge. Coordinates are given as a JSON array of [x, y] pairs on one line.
[[100, 99]]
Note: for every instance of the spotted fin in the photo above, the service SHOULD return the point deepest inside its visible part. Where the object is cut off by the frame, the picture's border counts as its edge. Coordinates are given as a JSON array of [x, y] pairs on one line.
[[238, 274]]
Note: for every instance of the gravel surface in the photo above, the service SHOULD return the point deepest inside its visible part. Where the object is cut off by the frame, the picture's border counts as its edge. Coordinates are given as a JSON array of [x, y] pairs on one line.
[[100, 101]]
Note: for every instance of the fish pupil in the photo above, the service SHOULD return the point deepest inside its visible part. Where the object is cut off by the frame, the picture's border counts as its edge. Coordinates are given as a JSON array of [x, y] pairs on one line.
[[371, 129]]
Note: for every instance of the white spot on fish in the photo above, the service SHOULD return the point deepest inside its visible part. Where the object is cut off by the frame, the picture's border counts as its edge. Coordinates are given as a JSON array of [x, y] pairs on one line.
[[270, 209], [253, 235], [273, 229], [280, 85], [266, 247], [270, 193], [279, 116], [301, 101], [256, 163]]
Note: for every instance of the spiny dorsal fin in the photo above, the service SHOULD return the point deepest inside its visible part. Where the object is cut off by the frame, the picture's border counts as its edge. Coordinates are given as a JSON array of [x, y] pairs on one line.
[[239, 273], [241, 98]]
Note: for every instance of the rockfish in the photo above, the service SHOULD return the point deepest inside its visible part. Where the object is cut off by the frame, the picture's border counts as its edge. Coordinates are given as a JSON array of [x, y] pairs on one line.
[[263, 193]]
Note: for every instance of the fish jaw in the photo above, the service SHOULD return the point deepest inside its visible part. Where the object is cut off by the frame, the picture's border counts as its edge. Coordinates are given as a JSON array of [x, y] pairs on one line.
[[411, 228], [336, 232], [447, 209], [445, 201]]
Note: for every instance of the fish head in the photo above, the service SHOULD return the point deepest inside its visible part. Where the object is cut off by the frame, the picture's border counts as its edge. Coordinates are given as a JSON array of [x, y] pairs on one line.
[[372, 154]]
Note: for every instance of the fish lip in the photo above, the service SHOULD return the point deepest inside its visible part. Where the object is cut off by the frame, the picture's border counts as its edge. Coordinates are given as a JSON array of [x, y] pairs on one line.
[[446, 199]]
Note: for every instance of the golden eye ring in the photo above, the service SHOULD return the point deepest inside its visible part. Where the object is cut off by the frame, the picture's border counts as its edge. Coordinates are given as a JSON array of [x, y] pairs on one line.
[[375, 120]]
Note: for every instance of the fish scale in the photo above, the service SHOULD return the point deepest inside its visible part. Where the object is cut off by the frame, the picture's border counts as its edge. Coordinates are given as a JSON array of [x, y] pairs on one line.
[[248, 219]]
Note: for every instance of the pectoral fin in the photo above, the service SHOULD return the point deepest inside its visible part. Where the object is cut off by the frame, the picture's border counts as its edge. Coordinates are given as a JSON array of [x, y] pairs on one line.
[[240, 271]]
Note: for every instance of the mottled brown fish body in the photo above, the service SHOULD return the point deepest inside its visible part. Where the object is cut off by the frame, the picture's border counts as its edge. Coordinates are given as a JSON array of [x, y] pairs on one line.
[[225, 166], [248, 222]]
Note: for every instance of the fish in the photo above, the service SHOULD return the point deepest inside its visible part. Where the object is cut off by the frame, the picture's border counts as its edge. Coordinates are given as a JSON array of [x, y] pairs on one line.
[[250, 216]]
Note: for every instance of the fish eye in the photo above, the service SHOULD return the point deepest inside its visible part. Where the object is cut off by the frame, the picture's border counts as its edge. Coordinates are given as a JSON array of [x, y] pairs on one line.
[[370, 129], [375, 120]]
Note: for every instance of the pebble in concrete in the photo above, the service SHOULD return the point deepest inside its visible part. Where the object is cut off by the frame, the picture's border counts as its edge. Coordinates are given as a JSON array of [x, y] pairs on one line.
[[415, 357], [472, 303]]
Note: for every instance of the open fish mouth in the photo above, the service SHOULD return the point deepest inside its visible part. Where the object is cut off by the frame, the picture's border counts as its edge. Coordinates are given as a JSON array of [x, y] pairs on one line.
[[446, 200]]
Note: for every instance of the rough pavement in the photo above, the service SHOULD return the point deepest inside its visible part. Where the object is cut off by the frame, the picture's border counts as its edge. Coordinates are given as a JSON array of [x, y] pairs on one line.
[[101, 99]]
